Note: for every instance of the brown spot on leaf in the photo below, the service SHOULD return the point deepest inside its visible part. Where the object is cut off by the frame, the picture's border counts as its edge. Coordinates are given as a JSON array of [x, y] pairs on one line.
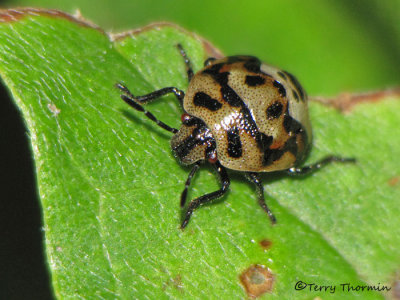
[[257, 280], [266, 244], [176, 282], [394, 181], [14, 15], [345, 102]]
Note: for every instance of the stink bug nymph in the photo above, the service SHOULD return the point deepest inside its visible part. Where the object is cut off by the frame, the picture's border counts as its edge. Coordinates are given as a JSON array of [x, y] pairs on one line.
[[239, 114]]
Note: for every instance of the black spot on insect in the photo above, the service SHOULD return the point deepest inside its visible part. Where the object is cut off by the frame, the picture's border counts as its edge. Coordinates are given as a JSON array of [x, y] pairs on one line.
[[280, 88], [234, 143], [295, 95], [230, 96], [252, 64], [227, 93], [297, 85], [266, 141], [282, 75], [274, 111], [204, 100], [213, 69], [235, 59], [222, 78], [291, 146], [272, 155], [291, 125], [254, 80]]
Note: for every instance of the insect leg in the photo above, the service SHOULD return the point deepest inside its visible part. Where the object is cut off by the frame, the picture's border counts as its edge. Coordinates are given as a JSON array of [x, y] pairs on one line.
[[188, 63], [255, 178], [318, 165], [188, 181], [153, 95], [130, 99], [194, 204]]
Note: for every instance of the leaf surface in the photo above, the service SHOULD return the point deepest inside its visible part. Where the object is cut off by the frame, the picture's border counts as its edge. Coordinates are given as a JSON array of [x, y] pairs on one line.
[[110, 187]]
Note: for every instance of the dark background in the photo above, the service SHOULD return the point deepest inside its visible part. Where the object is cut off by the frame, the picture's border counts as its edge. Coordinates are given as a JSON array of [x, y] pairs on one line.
[[23, 270]]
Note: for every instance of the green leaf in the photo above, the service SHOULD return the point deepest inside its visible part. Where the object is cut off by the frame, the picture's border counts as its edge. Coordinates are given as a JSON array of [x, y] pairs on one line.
[[110, 187]]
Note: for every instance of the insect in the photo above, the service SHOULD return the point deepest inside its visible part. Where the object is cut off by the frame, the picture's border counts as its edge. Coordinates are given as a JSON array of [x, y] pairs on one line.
[[239, 114]]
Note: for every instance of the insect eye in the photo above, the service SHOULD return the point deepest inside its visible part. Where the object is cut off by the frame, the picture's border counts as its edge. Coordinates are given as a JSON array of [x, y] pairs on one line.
[[185, 118]]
